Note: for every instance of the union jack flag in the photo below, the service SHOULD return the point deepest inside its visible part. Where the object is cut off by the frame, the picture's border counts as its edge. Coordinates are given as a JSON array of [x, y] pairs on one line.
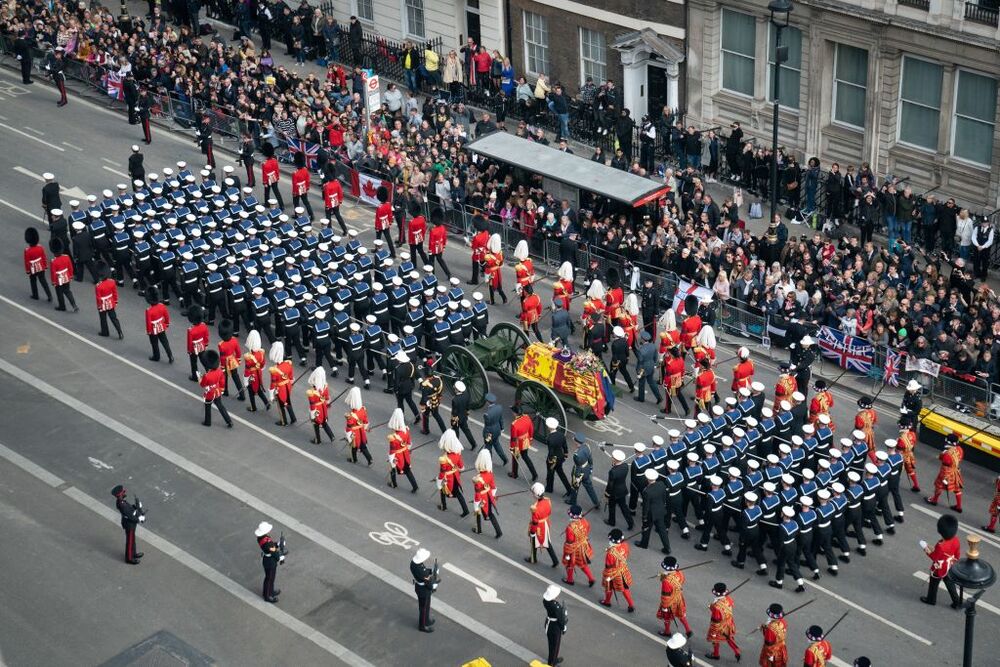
[[114, 86], [311, 151], [848, 352], [893, 360]]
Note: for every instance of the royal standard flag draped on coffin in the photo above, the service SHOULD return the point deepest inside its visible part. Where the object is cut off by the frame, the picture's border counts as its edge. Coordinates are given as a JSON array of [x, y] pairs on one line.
[[542, 365]]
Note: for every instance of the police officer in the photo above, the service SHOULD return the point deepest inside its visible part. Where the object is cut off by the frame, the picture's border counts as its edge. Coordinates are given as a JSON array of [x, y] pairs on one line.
[[648, 305], [493, 427], [460, 413], [431, 390], [556, 620], [83, 251], [557, 453], [425, 583], [271, 555], [912, 401], [132, 515], [679, 651], [654, 510]]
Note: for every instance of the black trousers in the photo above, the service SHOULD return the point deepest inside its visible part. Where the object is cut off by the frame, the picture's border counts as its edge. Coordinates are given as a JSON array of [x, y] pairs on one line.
[[334, 212], [237, 382], [37, 279], [658, 524], [425, 425], [418, 249], [457, 495], [25, 70], [407, 472], [147, 136], [788, 560], [64, 294], [131, 547], [423, 607], [675, 512], [823, 543], [620, 503], [556, 468], [155, 341], [439, 258], [303, 201], [222, 410], [553, 633], [386, 235], [621, 367], [273, 190], [527, 462], [106, 315], [463, 427], [932, 589], [804, 544], [324, 352], [750, 541], [406, 397], [269, 575]]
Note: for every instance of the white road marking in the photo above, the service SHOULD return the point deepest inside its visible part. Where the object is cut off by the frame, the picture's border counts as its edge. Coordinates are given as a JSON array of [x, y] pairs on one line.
[[114, 171], [394, 535], [69, 145], [184, 558], [31, 129], [265, 508], [99, 464], [924, 577], [871, 614], [486, 592], [75, 192], [32, 137], [111, 162], [33, 216], [588, 601], [987, 538]]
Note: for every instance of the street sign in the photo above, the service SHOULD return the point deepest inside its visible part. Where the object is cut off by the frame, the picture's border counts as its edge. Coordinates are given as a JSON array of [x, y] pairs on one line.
[[373, 96]]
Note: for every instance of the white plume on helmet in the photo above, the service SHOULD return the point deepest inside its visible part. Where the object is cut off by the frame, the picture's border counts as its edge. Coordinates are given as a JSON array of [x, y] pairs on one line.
[[484, 461], [353, 399], [706, 337], [495, 243], [448, 442], [669, 320], [277, 353], [743, 352], [521, 250], [632, 304], [318, 377], [596, 290], [397, 422], [565, 271], [253, 340]]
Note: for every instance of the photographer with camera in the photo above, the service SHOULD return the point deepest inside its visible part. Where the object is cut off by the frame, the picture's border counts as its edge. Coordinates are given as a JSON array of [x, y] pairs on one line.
[[132, 515]]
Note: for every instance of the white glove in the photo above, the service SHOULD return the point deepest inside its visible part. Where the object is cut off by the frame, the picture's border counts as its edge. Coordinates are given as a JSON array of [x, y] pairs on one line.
[[923, 544], [281, 559], [439, 483]]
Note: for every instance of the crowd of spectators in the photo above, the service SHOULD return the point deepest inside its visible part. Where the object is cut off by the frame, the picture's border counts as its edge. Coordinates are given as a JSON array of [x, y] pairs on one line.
[[916, 292]]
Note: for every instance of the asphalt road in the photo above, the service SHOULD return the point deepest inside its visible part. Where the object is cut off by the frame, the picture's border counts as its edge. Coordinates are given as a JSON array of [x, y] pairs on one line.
[[94, 412]]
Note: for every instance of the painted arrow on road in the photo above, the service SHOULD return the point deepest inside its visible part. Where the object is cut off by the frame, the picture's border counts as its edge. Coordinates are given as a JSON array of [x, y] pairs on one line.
[[486, 593], [73, 192]]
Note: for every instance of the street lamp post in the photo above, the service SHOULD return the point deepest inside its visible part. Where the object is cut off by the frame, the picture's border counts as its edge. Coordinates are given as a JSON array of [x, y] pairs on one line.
[[781, 11], [975, 575]]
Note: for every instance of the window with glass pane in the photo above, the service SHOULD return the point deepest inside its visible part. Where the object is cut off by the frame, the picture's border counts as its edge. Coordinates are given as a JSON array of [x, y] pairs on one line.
[[415, 17], [790, 71], [975, 117], [364, 10], [592, 59], [920, 103], [739, 41], [536, 43], [850, 79]]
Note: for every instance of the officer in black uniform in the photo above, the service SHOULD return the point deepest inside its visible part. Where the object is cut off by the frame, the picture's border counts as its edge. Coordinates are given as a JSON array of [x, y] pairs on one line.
[[291, 323], [654, 510], [648, 305], [558, 450], [679, 651], [83, 252], [271, 556], [22, 51], [802, 356], [431, 390], [132, 515], [425, 582], [246, 157], [619, 358], [405, 374], [56, 69], [51, 200], [203, 137], [142, 111], [616, 492], [130, 90], [460, 413], [556, 620]]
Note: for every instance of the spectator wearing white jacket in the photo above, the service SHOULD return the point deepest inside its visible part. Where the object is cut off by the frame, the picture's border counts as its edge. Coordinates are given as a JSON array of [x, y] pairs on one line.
[[965, 227]]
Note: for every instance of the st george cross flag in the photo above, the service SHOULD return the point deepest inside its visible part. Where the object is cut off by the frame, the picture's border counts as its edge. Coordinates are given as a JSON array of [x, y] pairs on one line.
[[893, 360], [114, 85], [683, 289], [311, 151], [848, 352]]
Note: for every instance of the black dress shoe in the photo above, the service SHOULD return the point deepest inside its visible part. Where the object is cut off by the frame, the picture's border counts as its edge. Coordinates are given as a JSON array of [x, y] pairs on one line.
[[923, 598], [276, 592], [139, 555], [132, 562], [427, 629], [272, 600]]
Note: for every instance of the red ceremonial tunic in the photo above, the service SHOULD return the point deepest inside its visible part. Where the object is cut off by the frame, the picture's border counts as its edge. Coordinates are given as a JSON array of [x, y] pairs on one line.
[[333, 194], [701, 352], [944, 554], [630, 323], [672, 604], [61, 271], [906, 442], [525, 272], [35, 259], [282, 377], [818, 654], [774, 652], [949, 475], [269, 171], [253, 368], [995, 503], [197, 338], [229, 354], [531, 310], [562, 291], [356, 422], [593, 312], [821, 404], [538, 529], [522, 430], [616, 575], [383, 216], [447, 473], [689, 330], [704, 385], [743, 375], [865, 421], [674, 374], [157, 319], [479, 242], [399, 449], [318, 400], [494, 262], [613, 299], [415, 230], [214, 384], [437, 240], [785, 387], [300, 182], [669, 339], [722, 624], [577, 551], [106, 293]]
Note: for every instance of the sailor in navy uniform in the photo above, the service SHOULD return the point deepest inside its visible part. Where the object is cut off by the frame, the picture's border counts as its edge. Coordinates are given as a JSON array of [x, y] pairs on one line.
[[788, 533], [356, 354], [556, 620], [321, 342], [749, 528], [424, 584]]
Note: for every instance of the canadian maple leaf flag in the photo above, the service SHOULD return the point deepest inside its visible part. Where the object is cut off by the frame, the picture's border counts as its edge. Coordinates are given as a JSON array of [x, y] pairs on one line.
[[368, 187]]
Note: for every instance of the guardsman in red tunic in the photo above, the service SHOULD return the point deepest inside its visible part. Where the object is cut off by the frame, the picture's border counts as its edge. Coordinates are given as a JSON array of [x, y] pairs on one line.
[[704, 345], [628, 319], [704, 386], [479, 242], [722, 623], [400, 445], [485, 498], [994, 508], [865, 422], [531, 311], [819, 652], [949, 477], [821, 403], [906, 441], [213, 384], [492, 267], [594, 309], [692, 322], [318, 396], [616, 576], [673, 380], [774, 652], [672, 605], [416, 232], [669, 335], [614, 298], [230, 353], [282, 377], [450, 466], [157, 323], [577, 551], [300, 185], [945, 553], [437, 239], [197, 339], [383, 218], [356, 426], [786, 384], [270, 174], [539, 530], [35, 263], [61, 275], [743, 371], [562, 289], [522, 430], [253, 371], [524, 270], [106, 293], [333, 197]]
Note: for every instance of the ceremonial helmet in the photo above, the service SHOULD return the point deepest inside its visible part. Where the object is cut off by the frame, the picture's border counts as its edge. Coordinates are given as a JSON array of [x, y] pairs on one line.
[[720, 589], [864, 402], [211, 359], [575, 512], [616, 536], [776, 611], [119, 491], [814, 633], [669, 564]]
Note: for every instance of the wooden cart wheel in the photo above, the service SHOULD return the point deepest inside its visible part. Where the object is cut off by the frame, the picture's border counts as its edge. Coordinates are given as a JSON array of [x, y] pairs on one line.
[[512, 335], [543, 401], [457, 363]]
